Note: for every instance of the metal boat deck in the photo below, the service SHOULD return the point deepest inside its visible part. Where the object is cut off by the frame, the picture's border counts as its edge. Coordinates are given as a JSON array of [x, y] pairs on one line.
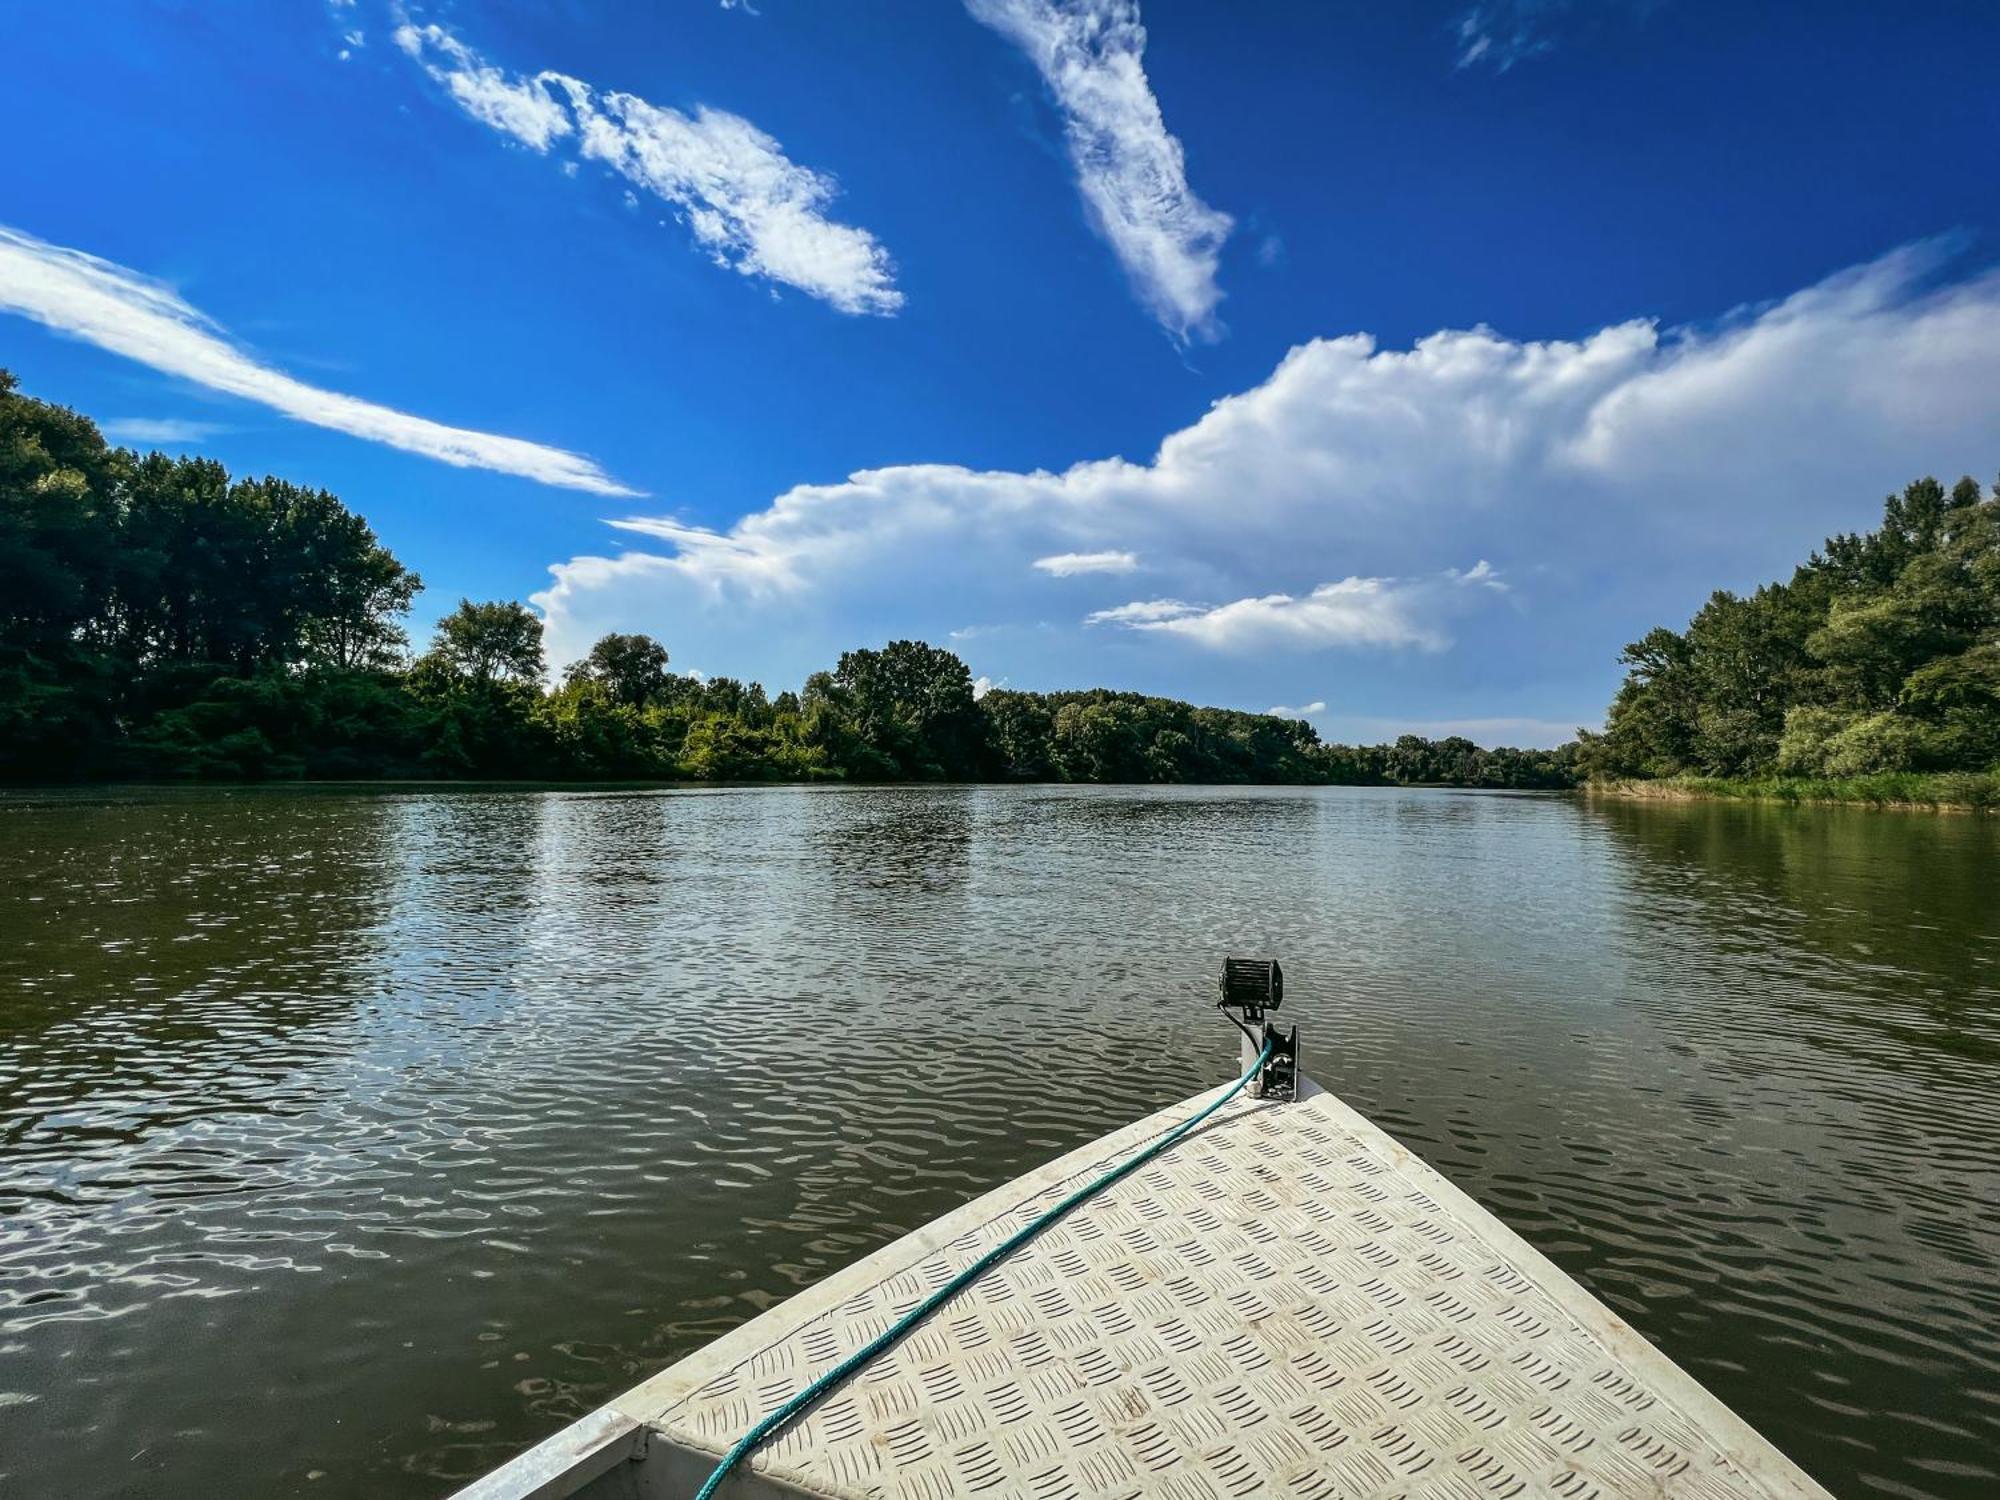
[[1286, 1303]]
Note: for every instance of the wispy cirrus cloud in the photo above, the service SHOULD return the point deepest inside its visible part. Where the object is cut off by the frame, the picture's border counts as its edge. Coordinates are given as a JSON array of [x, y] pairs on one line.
[[752, 208], [1129, 167], [159, 430], [1075, 564], [144, 320], [1501, 34]]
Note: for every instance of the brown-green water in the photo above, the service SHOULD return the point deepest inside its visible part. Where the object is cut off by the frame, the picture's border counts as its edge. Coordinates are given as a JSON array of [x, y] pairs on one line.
[[351, 1141]]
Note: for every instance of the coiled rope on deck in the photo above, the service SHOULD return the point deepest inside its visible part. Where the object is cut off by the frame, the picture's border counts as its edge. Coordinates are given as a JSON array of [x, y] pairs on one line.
[[896, 1331]]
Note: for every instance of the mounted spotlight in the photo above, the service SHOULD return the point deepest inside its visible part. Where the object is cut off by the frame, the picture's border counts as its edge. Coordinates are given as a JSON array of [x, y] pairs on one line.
[[1254, 986]]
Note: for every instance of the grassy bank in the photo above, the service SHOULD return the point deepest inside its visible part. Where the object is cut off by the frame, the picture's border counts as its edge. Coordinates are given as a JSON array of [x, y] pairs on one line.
[[1945, 791]]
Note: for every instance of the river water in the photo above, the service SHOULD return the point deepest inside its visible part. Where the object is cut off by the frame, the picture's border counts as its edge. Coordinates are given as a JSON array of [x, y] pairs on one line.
[[350, 1141]]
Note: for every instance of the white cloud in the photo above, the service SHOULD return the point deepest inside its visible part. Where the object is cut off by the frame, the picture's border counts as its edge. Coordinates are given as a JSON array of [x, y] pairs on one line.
[[1376, 467], [1352, 612], [1072, 564], [143, 320], [1129, 168], [158, 430], [1144, 612], [1304, 711], [747, 204], [525, 108], [979, 632], [1481, 574], [1500, 33]]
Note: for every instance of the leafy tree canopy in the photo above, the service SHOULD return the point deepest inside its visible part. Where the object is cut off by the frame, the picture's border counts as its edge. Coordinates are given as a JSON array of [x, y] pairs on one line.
[[496, 642], [1882, 653]]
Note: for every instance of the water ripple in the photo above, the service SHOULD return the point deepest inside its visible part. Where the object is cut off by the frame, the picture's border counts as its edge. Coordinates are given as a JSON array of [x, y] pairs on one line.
[[421, 1122]]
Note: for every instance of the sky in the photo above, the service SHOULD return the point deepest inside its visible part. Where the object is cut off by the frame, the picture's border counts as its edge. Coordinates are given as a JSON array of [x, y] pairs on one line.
[[1390, 365]]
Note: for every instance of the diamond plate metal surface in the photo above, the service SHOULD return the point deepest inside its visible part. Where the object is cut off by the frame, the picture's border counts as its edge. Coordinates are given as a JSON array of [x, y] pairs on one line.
[[1287, 1302]]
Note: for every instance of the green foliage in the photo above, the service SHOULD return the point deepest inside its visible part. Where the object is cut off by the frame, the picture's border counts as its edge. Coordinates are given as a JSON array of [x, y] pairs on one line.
[[907, 713], [158, 618], [1019, 729], [1882, 654], [1834, 742], [631, 668], [1977, 791], [165, 620], [486, 643], [325, 722]]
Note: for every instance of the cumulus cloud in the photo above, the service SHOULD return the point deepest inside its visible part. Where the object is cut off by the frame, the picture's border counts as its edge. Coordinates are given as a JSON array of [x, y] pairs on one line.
[[1383, 469], [1129, 168], [1351, 612], [1071, 564], [1304, 711], [752, 208], [144, 320]]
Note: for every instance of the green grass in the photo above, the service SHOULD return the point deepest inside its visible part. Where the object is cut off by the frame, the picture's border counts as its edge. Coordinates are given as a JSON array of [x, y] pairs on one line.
[[1968, 791]]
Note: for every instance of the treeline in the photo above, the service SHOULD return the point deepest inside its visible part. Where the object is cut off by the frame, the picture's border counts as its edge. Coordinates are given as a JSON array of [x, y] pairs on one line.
[[1882, 654], [163, 620]]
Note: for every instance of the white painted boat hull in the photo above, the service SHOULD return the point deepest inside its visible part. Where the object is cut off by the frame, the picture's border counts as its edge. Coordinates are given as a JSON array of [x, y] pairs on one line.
[[1287, 1302]]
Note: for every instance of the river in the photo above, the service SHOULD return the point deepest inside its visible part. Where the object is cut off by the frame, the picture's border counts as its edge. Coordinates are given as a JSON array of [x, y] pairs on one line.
[[352, 1140]]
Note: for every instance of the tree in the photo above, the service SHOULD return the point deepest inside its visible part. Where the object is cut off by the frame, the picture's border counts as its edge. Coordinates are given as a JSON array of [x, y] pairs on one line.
[[1098, 742], [1018, 730], [58, 524], [58, 558], [594, 735], [1872, 658], [348, 591], [633, 668], [911, 705], [496, 642]]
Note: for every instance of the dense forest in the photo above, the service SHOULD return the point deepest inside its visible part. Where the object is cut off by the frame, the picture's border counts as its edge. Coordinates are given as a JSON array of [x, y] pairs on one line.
[[163, 620], [1882, 654]]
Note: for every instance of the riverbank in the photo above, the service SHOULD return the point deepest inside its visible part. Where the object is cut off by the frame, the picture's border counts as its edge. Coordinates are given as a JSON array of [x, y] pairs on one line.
[[1937, 791]]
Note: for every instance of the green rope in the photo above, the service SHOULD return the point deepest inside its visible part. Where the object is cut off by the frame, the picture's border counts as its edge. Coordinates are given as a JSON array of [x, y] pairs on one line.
[[903, 1325]]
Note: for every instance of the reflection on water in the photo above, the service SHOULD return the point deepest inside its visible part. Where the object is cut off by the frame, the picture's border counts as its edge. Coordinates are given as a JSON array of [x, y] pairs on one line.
[[349, 1141]]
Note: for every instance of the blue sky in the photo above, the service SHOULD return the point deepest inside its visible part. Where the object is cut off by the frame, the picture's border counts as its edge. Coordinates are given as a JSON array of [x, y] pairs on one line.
[[1403, 360]]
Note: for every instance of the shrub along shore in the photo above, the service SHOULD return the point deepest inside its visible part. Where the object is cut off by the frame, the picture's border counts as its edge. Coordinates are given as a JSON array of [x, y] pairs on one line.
[[1933, 791]]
